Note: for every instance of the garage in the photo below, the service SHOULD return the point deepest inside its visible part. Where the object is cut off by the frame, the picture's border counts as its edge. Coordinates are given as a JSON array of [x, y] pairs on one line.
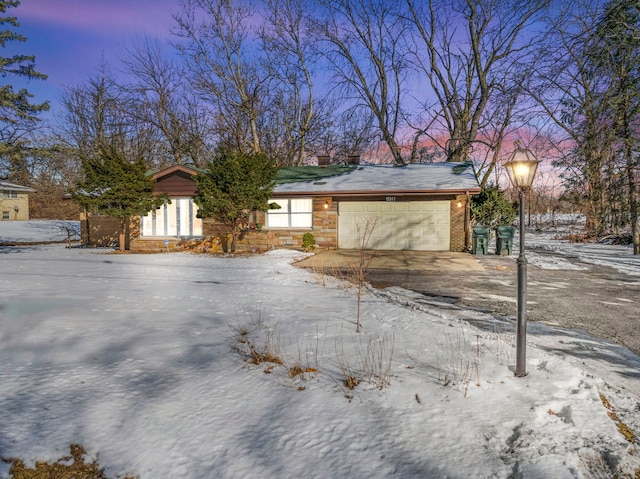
[[402, 225]]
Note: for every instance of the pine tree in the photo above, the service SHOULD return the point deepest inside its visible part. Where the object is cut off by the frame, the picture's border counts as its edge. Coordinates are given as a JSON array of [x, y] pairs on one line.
[[16, 108], [492, 208], [116, 187], [234, 185]]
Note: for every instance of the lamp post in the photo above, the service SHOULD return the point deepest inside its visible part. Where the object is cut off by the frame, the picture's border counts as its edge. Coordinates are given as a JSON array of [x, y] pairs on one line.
[[521, 168]]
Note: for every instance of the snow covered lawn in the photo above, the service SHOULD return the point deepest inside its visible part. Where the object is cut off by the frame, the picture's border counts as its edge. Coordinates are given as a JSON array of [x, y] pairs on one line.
[[142, 360], [41, 231]]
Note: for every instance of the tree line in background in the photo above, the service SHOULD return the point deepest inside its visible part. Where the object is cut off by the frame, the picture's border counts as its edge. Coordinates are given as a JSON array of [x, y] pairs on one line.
[[399, 81]]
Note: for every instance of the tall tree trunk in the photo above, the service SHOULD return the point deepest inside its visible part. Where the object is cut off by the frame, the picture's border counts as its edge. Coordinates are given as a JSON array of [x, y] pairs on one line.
[[234, 234], [633, 195], [122, 234]]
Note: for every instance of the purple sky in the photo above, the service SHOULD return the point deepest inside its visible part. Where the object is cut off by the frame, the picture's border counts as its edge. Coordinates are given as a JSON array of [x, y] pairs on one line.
[[72, 38]]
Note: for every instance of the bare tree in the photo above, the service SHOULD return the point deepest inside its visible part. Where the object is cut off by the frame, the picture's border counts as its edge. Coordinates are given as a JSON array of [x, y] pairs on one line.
[[159, 98], [465, 49], [99, 114], [92, 114], [363, 42], [225, 67], [288, 46], [359, 266], [576, 95]]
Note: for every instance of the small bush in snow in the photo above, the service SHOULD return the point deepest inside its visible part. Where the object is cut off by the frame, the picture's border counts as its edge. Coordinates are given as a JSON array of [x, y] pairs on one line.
[[308, 242]]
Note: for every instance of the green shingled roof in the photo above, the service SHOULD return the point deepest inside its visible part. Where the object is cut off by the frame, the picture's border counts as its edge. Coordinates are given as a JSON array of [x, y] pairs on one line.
[[297, 174]]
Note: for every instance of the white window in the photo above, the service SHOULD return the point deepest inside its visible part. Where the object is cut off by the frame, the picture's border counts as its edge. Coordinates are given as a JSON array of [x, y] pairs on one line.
[[293, 213], [5, 215], [9, 194], [178, 218]]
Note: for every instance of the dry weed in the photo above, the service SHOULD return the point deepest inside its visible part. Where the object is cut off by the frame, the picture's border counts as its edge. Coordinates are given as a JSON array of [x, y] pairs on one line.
[[459, 361], [628, 433], [373, 357], [296, 370], [256, 341], [351, 382], [68, 467]]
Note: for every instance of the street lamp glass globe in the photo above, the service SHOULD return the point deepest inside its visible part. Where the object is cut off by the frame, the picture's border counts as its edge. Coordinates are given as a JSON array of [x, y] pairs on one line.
[[521, 168]]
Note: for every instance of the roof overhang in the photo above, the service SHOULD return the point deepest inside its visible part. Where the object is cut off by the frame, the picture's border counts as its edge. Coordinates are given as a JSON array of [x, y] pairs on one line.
[[12, 187], [174, 169], [456, 192]]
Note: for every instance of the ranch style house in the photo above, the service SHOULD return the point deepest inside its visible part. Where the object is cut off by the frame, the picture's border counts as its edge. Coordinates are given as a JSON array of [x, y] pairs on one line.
[[422, 207]]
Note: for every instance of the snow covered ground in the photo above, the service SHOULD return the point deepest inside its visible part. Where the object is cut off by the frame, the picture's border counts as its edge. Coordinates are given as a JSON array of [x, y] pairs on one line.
[[39, 231], [142, 359]]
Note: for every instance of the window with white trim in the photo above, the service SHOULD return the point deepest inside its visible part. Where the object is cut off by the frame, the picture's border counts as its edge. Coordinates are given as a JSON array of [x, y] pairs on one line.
[[293, 213], [6, 215], [9, 193]]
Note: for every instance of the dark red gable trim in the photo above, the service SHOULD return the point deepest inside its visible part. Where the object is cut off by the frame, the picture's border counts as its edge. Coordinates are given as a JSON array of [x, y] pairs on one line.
[[175, 181]]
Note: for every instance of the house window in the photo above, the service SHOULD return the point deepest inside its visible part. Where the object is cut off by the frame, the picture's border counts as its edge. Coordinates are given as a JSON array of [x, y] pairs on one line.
[[5, 215], [178, 218], [9, 194], [293, 213]]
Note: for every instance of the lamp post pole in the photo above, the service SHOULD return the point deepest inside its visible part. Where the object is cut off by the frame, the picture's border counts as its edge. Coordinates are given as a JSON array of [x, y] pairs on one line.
[[522, 169], [521, 323]]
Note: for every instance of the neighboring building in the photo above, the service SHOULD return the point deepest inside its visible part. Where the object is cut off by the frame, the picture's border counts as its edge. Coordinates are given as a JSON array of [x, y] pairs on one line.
[[416, 207], [14, 202]]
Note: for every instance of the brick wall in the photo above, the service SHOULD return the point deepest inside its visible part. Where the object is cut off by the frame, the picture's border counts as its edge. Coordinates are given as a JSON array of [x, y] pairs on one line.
[[459, 235]]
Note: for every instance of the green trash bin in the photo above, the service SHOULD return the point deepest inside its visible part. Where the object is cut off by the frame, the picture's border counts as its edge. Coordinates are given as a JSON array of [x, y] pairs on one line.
[[504, 240], [480, 243]]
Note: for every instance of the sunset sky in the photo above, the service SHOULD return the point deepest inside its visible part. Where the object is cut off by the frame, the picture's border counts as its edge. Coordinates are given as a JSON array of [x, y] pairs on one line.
[[72, 38]]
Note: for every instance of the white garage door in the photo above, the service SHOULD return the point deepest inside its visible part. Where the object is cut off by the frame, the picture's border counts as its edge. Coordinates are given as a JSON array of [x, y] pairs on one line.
[[411, 225]]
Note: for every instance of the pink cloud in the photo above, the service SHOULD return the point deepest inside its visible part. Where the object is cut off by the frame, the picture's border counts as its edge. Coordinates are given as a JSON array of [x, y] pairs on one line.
[[153, 17]]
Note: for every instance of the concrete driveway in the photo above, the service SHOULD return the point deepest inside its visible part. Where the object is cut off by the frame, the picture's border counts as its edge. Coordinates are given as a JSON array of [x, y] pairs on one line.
[[597, 299], [419, 261]]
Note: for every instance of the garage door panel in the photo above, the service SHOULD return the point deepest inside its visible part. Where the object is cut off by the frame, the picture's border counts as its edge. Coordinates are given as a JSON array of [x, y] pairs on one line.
[[412, 225], [398, 207]]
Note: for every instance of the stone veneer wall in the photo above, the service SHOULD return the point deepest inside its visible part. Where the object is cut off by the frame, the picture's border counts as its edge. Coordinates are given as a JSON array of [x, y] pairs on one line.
[[325, 231], [325, 227]]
